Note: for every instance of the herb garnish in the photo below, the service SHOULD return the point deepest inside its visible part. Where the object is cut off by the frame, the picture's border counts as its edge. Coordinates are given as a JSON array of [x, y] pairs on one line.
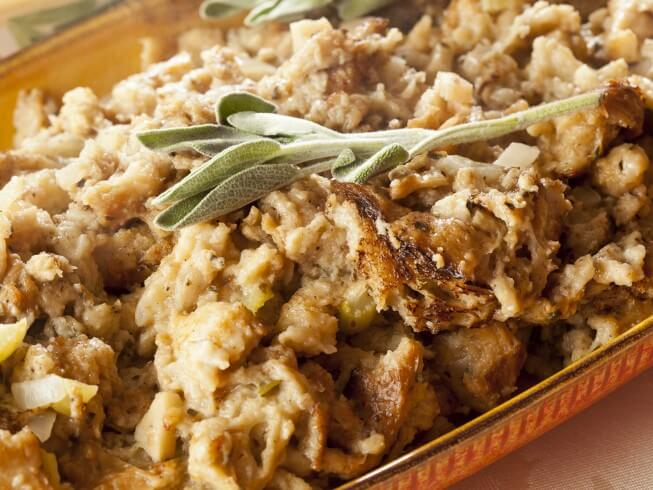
[[287, 10], [254, 151]]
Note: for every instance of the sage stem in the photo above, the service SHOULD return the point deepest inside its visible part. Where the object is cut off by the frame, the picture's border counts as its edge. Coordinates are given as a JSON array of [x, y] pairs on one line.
[[494, 128]]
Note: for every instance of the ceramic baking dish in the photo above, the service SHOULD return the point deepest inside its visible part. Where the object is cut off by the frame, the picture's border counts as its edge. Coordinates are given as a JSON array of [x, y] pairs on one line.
[[100, 51]]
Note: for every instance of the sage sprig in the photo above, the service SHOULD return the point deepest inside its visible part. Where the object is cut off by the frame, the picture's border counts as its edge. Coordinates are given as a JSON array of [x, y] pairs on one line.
[[261, 11], [254, 151]]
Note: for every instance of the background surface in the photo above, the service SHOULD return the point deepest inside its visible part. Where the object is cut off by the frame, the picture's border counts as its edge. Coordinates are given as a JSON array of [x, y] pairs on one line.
[[24, 21], [609, 446]]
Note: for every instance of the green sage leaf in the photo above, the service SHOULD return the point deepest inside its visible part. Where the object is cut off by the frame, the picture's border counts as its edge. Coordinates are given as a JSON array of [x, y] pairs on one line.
[[221, 8], [283, 10], [237, 191], [326, 163], [258, 13], [162, 139], [345, 158], [306, 150], [199, 138], [220, 167], [385, 159], [211, 148], [344, 164], [169, 218], [235, 102], [351, 9], [286, 10], [277, 125]]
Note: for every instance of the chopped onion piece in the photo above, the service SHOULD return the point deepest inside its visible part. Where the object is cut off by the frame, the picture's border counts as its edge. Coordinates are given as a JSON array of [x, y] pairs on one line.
[[11, 336], [157, 430], [518, 155], [41, 425], [51, 391]]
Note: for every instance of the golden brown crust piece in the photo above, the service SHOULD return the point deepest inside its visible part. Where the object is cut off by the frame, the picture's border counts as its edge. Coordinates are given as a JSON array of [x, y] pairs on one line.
[[90, 466], [382, 391], [399, 265], [480, 365], [624, 107]]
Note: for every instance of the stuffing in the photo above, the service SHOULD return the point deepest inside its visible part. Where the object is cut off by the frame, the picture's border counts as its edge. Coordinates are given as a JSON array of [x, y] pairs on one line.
[[183, 275], [241, 446], [345, 79], [195, 350], [571, 143], [91, 466], [88, 360], [327, 327], [621, 170], [156, 432], [461, 264], [450, 96], [626, 26], [382, 389], [307, 322], [621, 263], [480, 365], [22, 461], [138, 387]]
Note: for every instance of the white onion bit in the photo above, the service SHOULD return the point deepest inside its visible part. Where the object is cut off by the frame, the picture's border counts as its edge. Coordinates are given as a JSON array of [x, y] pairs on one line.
[[518, 155], [41, 425]]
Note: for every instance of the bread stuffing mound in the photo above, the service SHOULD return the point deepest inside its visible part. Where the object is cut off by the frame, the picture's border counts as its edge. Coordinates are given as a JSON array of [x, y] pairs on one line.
[[305, 339]]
